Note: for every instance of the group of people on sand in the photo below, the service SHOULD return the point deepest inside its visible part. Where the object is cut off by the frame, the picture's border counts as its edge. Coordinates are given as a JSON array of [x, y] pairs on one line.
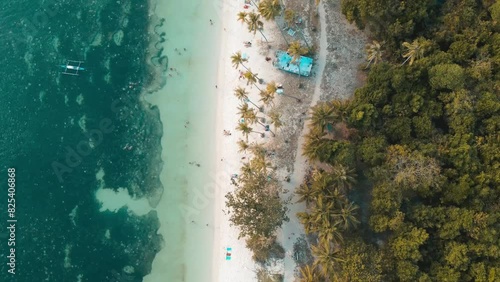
[[226, 132]]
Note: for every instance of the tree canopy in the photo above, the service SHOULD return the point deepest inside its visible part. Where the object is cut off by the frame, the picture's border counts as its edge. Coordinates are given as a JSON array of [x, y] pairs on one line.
[[422, 136]]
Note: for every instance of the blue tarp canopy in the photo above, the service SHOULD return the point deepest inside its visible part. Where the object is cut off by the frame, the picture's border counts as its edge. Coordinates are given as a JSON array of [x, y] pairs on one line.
[[302, 65]]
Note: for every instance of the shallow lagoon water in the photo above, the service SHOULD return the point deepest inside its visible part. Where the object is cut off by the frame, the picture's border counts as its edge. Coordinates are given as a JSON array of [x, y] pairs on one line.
[[187, 106]]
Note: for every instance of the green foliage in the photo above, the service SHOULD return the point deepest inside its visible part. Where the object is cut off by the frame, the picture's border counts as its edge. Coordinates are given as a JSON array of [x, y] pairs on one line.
[[495, 12], [372, 150], [398, 129], [422, 126], [406, 271], [456, 255], [263, 275], [406, 245], [361, 262], [269, 9], [265, 248], [487, 105], [389, 19], [461, 50], [447, 76], [256, 207], [364, 115], [427, 137]]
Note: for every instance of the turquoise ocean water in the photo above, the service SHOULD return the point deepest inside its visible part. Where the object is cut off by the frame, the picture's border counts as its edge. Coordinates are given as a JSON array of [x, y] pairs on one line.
[[59, 131]]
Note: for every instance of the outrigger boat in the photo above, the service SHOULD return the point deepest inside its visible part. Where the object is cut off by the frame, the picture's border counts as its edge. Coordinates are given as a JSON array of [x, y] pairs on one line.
[[72, 67]]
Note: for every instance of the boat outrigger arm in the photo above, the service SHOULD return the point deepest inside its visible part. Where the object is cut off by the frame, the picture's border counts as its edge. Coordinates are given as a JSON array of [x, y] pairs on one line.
[[72, 67]]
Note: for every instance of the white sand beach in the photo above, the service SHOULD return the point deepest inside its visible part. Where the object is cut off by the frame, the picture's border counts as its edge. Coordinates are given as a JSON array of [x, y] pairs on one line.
[[241, 267]]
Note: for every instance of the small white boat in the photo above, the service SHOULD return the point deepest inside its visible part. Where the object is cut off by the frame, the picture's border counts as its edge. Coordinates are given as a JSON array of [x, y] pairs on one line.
[[72, 67]]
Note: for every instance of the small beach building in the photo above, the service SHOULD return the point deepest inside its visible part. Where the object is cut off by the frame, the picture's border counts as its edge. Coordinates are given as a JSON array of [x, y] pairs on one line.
[[301, 66]]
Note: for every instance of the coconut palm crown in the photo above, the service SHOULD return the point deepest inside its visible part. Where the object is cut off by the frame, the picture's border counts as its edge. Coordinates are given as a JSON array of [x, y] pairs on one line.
[[416, 49], [323, 116], [373, 52], [237, 60], [296, 50], [269, 9], [255, 24]]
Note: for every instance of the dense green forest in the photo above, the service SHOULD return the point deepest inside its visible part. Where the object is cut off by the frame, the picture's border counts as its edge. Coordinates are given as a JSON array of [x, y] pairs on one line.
[[406, 184]]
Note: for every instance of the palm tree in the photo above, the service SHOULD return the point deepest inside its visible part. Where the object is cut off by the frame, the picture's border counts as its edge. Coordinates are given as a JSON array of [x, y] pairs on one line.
[[344, 177], [271, 87], [307, 221], [341, 109], [242, 17], [331, 233], [416, 49], [345, 216], [296, 50], [275, 118], [251, 117], [242, 95], [246, 130], [269, 9], [309, 274], [306, 194], [258, 150], [244, 111], [373, 53], [325, 257], [323, 116], [289, 16], [243, 146], [266, 97], [255, 24], [321, 181], [322, 211], [313, 145], [237, 60], [251, 78], [246, 169]]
